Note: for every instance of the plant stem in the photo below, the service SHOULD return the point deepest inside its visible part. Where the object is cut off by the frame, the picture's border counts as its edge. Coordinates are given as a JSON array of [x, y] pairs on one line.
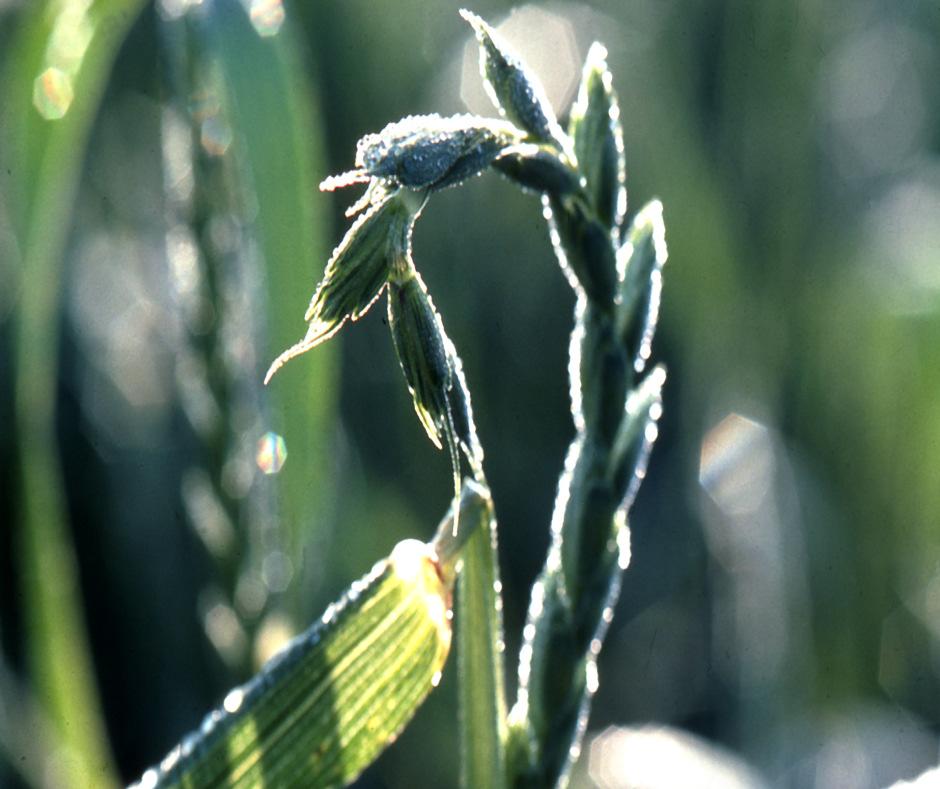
[[480, 650]]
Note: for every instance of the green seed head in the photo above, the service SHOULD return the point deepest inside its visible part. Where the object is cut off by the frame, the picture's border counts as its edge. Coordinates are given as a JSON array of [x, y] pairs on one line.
[[432, 370], [597, 135], [635, 437], [422, 349], [538, 167], [583, 246], [428, 151], [513, 89], [639, 268]]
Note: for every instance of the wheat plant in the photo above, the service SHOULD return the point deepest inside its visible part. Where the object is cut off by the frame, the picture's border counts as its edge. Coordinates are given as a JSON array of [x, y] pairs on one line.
[[330, 702]]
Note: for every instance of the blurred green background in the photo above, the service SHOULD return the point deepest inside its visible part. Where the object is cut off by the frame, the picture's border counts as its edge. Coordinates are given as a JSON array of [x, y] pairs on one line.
[[161, 233]]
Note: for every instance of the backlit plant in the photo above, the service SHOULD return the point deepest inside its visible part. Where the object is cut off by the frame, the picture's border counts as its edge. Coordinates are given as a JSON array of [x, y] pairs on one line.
[[323, 709]]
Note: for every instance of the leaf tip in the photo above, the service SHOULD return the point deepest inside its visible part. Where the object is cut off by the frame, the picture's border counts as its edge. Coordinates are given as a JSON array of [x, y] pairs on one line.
[[651, 216], [317, 333], [597, 56], [473, 19]]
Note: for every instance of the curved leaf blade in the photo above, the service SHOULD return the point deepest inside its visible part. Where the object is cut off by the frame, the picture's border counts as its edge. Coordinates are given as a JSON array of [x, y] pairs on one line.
[[323, 709]]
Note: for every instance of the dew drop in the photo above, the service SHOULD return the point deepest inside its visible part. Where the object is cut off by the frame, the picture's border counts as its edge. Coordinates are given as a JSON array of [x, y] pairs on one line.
[[210, 722], [233, 701], [149, 779], [188, 745], [171, 759], [591, 679], [525, 663]]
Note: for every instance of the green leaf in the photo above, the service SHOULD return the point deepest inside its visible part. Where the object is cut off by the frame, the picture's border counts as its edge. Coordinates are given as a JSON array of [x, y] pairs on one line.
[[640, 263], [480, 650], [595, 129], [512, 87], [324, 708], [55, 72]]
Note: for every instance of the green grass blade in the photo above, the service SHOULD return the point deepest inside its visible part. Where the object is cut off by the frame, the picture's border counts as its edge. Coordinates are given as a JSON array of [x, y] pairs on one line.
[[324, 708], [274, 110], [55, 72], [480, 651]]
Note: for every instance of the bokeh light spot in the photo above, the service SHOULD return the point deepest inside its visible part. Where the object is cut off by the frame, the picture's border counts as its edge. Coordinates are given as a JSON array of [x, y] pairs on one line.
[[658, 757], [736, 467], [267, 16], [52, 94], [276, 571], [272, 452], [216, 136], [225, 631], [203, 104], [274, 634], [174, 9]]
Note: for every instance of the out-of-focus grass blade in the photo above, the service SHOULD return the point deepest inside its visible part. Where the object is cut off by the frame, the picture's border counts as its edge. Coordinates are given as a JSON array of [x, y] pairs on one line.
[[54, 76], [279, 143], [319, 712], [480, 649]]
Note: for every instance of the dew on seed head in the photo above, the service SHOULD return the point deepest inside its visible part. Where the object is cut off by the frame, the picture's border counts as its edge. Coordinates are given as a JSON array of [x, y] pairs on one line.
[[233, 701], [149, 779]]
